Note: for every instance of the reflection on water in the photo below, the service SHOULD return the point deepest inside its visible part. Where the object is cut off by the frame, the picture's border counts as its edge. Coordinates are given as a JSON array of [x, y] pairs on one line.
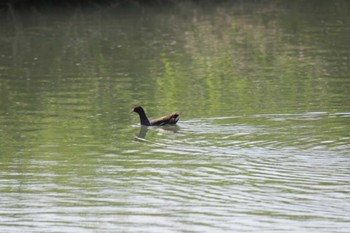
[[163, 130], [142, 133], [231, 173], [262, 145]]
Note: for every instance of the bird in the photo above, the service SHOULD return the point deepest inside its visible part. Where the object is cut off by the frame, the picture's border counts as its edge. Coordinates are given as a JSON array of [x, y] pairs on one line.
[[170, 119]]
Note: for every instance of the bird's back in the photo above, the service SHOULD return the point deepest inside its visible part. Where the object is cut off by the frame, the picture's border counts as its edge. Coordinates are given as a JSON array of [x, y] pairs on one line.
[[170, 119]]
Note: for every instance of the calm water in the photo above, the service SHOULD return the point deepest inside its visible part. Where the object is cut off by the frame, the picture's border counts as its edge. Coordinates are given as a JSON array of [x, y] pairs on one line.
[[263, 143]]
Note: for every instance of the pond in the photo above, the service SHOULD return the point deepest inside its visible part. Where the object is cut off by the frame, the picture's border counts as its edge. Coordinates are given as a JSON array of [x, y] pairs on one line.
[[262, 144]]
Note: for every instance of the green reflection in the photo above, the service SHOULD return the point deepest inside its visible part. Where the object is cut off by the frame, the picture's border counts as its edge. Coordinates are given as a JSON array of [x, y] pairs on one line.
[[83, 70], [263, 89]]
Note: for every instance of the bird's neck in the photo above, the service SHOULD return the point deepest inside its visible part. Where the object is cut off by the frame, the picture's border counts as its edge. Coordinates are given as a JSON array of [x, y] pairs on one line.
[[143, 118]]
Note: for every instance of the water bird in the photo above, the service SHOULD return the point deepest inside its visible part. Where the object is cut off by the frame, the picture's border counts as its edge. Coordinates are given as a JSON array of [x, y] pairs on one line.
[[170, 119]]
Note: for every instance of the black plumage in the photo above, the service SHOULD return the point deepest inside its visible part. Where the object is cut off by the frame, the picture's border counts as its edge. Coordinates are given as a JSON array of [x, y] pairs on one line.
[[170, 119]]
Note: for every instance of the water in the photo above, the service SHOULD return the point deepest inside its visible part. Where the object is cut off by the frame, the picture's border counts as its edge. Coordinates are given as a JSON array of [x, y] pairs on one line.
[[262, 143]]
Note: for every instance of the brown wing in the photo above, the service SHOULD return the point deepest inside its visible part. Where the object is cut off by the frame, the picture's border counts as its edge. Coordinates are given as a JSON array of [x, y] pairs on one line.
[[165, 120]]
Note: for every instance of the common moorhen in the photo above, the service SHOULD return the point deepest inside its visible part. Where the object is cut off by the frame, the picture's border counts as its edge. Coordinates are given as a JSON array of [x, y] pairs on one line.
[[170, 119]]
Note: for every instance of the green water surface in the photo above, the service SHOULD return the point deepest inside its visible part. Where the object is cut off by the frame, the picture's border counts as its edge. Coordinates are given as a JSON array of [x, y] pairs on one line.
[[262, 145]]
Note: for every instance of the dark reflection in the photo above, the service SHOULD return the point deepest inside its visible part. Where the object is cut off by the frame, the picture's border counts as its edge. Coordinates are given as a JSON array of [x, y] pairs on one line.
[[168, 129], [142, 133]]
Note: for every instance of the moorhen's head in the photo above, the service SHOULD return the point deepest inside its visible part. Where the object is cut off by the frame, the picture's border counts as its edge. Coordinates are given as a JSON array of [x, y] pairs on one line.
[[137, 109], [143, 118]]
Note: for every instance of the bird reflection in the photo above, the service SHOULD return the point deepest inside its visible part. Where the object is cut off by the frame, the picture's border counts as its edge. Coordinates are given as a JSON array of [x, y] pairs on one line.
[[142, 133], [168, 129]]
